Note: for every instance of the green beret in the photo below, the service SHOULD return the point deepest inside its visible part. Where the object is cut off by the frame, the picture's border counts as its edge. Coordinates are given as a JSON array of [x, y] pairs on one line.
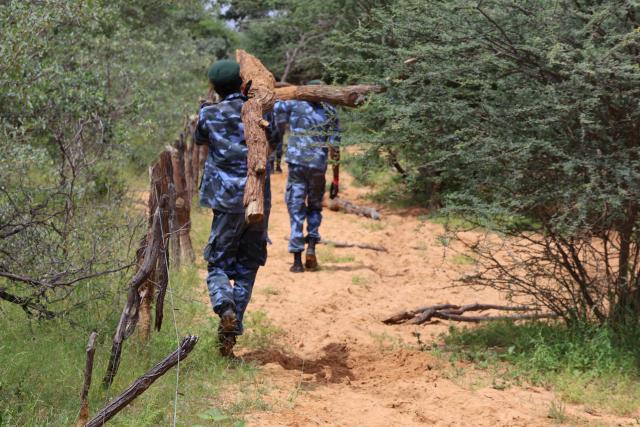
[[225, 73], [315, 82]]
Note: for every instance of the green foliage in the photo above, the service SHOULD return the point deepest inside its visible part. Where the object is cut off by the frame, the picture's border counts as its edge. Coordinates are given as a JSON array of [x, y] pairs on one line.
[[88, 91], [585, 364], [521, 117]]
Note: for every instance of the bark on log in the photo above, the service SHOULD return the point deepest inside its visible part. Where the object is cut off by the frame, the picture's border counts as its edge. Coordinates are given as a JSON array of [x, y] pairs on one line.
[[347, 96], [456, 313], [261, 100], [344, 205], [140, 385], [88, 373]]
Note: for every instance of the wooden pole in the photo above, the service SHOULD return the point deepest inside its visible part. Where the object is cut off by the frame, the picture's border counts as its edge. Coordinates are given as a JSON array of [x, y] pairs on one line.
[[88, 372], [183, 204], [140, 385], [172, 217], [129, 317]]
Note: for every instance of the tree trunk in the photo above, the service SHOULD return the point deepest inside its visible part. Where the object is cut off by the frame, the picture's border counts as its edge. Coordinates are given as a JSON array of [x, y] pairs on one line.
[[347, 96], [261, 100]]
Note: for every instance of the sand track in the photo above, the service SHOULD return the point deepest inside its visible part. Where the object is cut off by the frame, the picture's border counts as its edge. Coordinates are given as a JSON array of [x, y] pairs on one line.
[[337, 364]]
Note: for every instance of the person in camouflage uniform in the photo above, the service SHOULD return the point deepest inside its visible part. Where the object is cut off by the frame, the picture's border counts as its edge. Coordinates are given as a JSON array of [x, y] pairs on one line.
[[314, 134], [275, 158], [235, 249]]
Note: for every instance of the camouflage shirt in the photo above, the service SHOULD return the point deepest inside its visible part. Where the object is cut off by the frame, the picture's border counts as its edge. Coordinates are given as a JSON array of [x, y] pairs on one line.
[[313, 128], [225, 170]]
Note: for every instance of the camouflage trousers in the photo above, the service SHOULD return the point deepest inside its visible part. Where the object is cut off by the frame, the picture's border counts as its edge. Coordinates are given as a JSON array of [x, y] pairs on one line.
[[305, 189], [234, 252]]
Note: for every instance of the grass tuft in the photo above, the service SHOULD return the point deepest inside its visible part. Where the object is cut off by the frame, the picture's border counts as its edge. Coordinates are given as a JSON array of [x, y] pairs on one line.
[[583, 364]]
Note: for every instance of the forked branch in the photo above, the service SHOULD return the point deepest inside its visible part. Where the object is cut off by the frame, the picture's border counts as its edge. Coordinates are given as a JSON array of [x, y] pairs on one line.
[[140, 385]]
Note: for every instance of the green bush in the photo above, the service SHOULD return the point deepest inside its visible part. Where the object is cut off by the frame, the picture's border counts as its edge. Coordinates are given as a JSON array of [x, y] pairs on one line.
[[584, 363]]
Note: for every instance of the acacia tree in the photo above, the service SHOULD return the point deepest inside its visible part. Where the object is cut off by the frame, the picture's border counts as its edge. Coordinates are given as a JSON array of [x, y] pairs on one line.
[[524, 116]]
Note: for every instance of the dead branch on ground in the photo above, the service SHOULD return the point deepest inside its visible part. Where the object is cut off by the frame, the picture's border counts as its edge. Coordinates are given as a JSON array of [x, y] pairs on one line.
[[337, 244], [456, 313], [345, 205]]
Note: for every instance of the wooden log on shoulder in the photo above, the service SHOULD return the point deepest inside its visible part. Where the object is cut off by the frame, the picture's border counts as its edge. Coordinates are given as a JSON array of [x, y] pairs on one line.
[[88, 373], [261, 100], [346, 96], [140, 385], [260, 86]]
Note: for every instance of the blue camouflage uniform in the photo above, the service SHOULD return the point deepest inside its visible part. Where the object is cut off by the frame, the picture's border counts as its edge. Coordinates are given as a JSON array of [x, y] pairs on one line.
[[235, 249], [313, 128]]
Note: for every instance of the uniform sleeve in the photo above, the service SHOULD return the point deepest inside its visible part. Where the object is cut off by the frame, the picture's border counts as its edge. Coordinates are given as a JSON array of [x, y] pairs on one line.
[[201, 133], [333, 128], [274, 136]]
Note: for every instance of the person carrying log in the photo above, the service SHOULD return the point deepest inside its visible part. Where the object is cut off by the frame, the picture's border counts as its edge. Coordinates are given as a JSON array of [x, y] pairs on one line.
[[315, 132], [235, 249]]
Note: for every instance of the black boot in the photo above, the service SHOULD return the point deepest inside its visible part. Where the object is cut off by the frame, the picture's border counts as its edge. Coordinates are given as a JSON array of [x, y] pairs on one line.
[[311, 262], [297, 263], [278, 168]]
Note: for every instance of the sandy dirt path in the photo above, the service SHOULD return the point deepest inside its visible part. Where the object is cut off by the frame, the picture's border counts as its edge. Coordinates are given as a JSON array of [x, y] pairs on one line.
[[337, 364]]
